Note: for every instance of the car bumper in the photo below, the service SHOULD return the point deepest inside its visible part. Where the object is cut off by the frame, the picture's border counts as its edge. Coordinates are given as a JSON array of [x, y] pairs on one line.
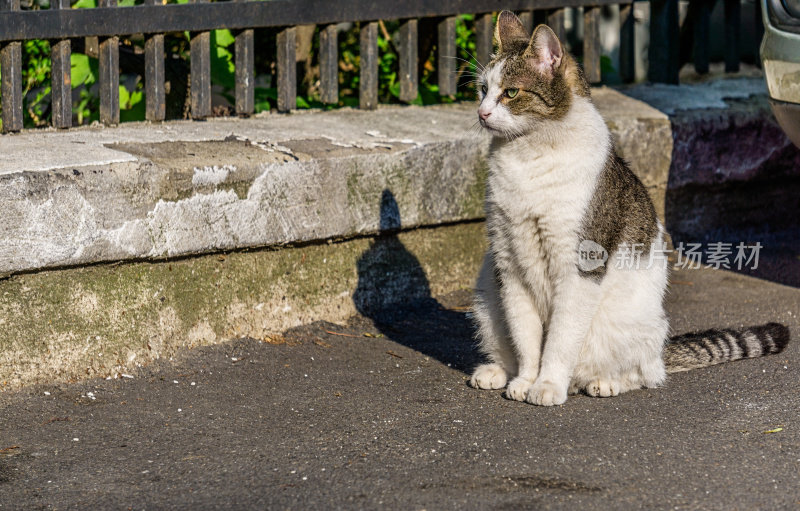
[[788, 116], [780, 52], [780, 58]]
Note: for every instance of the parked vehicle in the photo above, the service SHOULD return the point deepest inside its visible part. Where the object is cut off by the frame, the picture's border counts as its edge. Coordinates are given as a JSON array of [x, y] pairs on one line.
[[780, 56]]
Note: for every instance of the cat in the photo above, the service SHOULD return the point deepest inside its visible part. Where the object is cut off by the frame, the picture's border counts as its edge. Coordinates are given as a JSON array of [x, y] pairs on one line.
[[555, 311]]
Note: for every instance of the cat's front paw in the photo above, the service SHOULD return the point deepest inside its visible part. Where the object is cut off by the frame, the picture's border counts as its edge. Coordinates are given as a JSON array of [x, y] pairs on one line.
[[546, 393], [603, 388], [489, 376], [518, 388]]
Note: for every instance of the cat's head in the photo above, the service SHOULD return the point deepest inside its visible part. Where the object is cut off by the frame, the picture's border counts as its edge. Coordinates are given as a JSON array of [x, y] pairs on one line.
[[530, 79]]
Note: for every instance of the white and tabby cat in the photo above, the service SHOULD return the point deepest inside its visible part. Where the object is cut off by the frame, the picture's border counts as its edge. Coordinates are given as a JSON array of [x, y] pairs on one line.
[[548, 324]]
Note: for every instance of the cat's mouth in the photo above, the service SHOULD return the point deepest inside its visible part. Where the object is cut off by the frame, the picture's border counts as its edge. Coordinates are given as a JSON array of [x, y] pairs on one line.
[[495, 132], [485, 125]]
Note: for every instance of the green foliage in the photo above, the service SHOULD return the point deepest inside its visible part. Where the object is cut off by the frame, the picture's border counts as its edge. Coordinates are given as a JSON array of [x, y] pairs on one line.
[[35, 82], [84, 72], [467, 49], [222, 65], [131, 103]]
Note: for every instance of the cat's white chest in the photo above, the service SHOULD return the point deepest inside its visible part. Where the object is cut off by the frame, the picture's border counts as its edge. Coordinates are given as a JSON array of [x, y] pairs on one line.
[[550, 188]]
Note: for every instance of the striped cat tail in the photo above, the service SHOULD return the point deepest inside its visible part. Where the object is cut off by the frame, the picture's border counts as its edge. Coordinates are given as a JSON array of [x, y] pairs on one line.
[[701, 349]]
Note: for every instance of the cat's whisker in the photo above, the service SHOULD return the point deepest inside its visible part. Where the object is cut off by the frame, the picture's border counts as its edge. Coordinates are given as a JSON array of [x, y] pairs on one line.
[[469, 82], [473, 81], [476, 129], [465, 72], [475, 60], [471, 72], [458, 58]]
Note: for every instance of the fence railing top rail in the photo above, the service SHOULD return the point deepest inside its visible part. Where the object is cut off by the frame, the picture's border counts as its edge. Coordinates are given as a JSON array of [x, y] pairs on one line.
[[110, 21]]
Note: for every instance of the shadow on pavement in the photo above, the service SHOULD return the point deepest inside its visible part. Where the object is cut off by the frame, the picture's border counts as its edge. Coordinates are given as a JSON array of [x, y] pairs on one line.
[[763, 213], [393, 292]]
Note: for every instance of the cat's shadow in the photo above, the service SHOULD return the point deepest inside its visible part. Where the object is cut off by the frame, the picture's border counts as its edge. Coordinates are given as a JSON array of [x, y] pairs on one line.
[[393, 293]]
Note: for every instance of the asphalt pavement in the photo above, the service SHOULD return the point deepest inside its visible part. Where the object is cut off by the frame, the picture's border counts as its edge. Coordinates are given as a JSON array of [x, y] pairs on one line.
[[376, 414]]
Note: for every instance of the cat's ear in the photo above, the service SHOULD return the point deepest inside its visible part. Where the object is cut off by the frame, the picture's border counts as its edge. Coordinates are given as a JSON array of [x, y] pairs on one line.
[[545, 50], [508, 31]]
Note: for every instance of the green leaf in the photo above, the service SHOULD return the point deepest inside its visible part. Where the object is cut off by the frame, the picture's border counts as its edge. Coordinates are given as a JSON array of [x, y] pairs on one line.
[[223, 37], [124, 97], [137, 110], [222, 67], [81, 70], [85, 4], [350, 101], [264, 97], [394, 89], [429, 95], [135, 99]]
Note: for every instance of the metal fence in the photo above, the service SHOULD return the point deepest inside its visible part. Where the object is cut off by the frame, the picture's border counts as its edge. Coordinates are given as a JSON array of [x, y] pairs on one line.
[[108, 22]]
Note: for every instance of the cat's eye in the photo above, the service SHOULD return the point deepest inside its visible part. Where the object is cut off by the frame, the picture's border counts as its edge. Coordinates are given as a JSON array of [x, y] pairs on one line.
[[510, 93], [484, 88]]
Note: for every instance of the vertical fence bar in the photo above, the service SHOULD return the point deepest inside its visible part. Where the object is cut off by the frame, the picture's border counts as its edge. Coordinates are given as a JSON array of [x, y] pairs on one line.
[[627, 43], [483, 38], [108, 68], [446, 56], [154, 78], [526, 17], [591, 44], [60, 77], [408, 60], [702, 24], [664, 40], [200, 71], [368, 81], [555, 19], [287, 69], [329, 64], [11, 71], [733, 25], [245, 69]]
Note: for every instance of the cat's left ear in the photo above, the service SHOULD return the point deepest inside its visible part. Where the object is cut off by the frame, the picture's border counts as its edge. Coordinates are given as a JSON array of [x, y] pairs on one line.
[[508, 31], [545, 50]]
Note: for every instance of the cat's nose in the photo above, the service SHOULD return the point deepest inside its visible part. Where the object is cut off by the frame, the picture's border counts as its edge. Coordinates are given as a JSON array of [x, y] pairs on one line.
[[484, 114]]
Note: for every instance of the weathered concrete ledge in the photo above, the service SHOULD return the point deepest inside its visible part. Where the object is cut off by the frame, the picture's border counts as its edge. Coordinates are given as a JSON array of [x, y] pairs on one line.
[[143, 191]]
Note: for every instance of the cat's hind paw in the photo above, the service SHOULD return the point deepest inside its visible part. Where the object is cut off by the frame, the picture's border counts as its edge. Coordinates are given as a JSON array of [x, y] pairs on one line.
[[546, 393], [489, 376], [518, 388]]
